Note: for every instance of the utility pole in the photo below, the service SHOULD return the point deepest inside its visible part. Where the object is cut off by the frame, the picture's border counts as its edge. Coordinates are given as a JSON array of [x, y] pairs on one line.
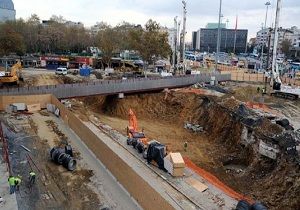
[[175, 43], [178, 41], [219, 36], [265, 28], [183, 33], [227, 21], [234, 44]]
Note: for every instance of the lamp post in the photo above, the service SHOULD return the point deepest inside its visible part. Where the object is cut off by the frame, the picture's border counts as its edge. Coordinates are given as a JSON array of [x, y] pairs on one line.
[[183, 33]]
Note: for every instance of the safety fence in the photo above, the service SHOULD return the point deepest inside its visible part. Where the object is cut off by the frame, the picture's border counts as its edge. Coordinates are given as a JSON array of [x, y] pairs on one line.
[[247, 77]]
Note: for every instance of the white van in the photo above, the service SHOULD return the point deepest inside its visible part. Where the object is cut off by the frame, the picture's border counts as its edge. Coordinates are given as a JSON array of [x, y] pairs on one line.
[[61, 71]]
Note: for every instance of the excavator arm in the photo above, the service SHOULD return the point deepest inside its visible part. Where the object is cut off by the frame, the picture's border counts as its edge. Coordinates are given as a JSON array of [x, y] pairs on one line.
[[13, 76], [132, 121]]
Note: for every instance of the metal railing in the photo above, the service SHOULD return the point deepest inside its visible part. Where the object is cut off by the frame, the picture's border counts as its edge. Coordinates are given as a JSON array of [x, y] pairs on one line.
[[114, 86]]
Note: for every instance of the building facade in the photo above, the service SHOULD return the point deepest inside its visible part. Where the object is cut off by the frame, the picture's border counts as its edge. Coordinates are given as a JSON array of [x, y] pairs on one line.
[[194, 40], [7, 10], [292, 34], [206, 40]]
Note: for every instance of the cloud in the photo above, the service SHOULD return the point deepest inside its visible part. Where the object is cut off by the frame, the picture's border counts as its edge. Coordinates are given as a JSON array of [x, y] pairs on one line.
[[251, 12]]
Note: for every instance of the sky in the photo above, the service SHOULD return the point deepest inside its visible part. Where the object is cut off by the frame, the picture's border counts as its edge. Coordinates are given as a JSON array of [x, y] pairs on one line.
[[251, 13]]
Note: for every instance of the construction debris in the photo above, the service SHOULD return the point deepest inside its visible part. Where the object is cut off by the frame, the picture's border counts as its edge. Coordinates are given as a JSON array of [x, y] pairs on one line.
[[28, 150], [33, 107], [19, 106], [194, 127]]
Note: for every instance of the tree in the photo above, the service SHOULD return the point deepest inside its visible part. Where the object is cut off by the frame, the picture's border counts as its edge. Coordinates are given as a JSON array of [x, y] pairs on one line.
[[151, 42], [11, 41], [108, 42], [286, 44]]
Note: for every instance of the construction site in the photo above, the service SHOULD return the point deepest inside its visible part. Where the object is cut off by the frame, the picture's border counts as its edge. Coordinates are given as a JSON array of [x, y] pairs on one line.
[[232, 142], [207, 134]]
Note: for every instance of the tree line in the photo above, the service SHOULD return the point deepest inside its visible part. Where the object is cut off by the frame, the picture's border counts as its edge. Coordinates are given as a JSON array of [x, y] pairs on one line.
[[57, 37]]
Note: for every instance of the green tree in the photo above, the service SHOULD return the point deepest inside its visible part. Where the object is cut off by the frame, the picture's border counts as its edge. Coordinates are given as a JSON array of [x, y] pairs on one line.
[[286, 45], [151, 42], [11, 41], [107, 41]]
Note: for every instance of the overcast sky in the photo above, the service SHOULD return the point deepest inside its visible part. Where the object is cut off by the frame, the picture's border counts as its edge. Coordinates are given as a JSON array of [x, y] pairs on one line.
[[251, 13]]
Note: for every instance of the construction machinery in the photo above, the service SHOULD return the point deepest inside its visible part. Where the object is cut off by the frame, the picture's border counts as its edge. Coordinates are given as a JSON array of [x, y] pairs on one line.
[[280, 90], [137, 139], [13, 76]]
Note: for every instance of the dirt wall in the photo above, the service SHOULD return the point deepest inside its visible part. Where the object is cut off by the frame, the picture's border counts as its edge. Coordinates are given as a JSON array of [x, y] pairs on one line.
[[139, 189], [28, 99], [255, 176]]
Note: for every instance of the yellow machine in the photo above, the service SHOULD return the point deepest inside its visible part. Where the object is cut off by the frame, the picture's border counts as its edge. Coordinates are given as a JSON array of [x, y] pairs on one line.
[[297, 76], [13, 76]]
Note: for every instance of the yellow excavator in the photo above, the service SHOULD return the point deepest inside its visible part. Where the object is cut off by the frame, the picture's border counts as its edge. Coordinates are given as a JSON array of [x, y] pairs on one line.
[[13, 76]]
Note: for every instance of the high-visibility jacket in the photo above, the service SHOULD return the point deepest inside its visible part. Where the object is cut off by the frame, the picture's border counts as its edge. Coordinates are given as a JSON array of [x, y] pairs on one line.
[[32, 173], [11, 181]]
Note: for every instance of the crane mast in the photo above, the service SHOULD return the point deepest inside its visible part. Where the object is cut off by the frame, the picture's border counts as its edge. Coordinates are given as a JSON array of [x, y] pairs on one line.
[[275, 71]]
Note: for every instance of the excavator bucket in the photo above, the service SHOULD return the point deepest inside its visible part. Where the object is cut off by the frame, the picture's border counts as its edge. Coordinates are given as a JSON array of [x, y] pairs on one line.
[[132, 121]]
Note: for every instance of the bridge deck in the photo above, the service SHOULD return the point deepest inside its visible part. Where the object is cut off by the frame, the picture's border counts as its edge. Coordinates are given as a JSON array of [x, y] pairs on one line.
[[110, 87]]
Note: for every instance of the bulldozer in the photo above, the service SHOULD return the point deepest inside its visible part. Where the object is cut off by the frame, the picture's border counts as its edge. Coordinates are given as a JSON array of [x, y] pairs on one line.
[[13, 76]]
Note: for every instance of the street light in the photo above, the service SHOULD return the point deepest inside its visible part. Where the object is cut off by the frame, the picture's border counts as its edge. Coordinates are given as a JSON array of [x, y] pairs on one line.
[[267, 4]]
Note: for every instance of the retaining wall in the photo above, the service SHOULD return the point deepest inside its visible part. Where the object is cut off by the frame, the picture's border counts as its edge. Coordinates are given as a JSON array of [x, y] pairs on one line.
[[138, 188], [27, 99]]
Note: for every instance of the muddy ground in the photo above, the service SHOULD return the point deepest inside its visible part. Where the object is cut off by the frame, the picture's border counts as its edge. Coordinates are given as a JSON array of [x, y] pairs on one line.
[[55, 187], [218, 149]]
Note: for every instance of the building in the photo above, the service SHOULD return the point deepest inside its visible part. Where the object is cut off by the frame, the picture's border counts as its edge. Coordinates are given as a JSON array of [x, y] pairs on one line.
[[196, 35], [7, 10], [295, 38], [215, 25], [262, 37], [291, 34], [194, 40], [74, 24], [206, 40], [171, 37]]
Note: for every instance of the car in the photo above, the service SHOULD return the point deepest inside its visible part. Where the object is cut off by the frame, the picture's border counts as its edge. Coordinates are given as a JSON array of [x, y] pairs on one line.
[[61, 71]]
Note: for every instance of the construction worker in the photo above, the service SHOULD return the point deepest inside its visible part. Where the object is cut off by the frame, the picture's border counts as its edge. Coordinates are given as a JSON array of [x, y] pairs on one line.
[[12, 185], [185, 145], [18, 182], [32, 177]]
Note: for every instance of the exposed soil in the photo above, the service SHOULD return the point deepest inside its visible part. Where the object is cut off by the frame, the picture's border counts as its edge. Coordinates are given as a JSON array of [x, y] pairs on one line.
[[218, 149], [55, 187]]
